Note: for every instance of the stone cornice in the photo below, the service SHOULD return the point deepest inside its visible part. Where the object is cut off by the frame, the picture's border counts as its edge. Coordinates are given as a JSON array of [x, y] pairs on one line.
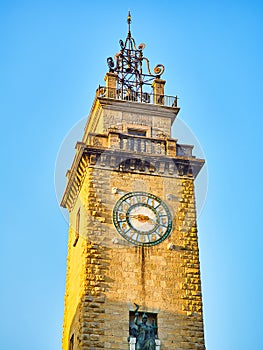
[[72, 173], [137, 107], [124, 161]]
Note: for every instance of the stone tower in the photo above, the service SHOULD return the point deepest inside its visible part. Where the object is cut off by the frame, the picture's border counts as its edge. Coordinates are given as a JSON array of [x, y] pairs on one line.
[[133, 276]]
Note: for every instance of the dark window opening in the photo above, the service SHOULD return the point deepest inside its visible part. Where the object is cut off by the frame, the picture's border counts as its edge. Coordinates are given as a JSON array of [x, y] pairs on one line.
[[137, 132], [77, 228], [71, 342]]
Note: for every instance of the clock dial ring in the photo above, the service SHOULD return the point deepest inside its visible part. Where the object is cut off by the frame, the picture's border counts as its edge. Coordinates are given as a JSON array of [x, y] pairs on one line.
[[142, 218]]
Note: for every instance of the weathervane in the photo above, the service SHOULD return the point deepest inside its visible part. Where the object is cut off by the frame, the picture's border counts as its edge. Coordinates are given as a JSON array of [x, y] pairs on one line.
[[128, 65]]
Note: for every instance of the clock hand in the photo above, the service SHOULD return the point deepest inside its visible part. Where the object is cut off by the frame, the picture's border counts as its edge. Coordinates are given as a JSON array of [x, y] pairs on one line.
[[150, 220], [145, 218], [156, 223], [140, 217]]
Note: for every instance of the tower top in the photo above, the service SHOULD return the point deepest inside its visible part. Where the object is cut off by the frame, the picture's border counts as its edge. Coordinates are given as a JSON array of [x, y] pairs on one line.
[[132, 69]]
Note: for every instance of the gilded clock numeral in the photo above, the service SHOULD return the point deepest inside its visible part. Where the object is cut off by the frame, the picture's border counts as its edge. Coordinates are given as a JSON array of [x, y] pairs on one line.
[[144, 199], [125, 227], [164, 220], [150, 201], [153, 237], [139, 199], [122, 216], [161, 211], [142, 238], [132, 201], [160, 230]]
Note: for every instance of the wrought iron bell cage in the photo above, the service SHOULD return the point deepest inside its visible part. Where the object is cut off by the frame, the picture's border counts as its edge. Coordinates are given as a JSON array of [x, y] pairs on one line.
[[128, 64]]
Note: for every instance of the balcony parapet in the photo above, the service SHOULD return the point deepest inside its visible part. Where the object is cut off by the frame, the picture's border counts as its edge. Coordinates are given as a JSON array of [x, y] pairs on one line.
[[129, 153], [133, 96], [139, 144]]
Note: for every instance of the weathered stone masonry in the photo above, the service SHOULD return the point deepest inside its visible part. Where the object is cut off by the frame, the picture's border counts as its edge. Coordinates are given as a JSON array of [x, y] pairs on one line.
[[127, 147], [113, 277]]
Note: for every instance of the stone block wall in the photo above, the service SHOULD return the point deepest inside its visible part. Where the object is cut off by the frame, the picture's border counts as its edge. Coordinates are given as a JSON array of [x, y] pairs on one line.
[[106, 276]]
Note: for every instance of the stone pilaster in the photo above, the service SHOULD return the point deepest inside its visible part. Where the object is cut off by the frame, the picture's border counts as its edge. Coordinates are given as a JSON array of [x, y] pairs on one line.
[[111, 80], [158, 91]]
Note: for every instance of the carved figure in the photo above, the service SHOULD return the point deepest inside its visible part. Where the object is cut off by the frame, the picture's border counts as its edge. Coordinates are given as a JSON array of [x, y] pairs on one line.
[[145, 333]]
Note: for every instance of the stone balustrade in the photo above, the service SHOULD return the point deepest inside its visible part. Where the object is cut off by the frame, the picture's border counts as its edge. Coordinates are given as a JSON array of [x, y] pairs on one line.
[[139, 144]]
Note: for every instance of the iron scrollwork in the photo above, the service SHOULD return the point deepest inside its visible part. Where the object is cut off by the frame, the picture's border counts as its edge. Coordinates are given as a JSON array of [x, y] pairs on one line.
[[128, 65]]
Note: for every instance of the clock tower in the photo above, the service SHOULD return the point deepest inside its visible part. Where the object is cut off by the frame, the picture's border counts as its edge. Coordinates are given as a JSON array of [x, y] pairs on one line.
[[133, 274]]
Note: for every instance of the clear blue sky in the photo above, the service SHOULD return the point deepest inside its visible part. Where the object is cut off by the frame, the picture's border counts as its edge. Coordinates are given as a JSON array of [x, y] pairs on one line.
[[53, 56]]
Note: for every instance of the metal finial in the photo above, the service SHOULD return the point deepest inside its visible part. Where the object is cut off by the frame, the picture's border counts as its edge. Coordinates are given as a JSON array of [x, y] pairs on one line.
[[129, 24], [129, 17]]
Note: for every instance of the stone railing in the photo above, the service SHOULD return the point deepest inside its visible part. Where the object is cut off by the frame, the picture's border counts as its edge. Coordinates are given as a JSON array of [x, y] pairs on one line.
[[135, 96], [137, 144], [142, 145]]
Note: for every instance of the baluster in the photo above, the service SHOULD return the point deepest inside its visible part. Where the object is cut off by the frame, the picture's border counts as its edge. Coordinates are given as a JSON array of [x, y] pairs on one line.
[[163, 148], [130, 144], [138, 145], [124, 144], [148, 146], [143, 145], [158, 148], [154, 147], [135, 145]]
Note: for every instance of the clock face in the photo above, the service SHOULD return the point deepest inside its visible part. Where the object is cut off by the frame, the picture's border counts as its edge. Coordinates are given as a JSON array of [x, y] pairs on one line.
[[142, 218]]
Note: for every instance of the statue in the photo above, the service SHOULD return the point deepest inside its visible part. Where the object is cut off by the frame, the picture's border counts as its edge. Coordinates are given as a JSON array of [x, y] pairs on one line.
[[144, 333]]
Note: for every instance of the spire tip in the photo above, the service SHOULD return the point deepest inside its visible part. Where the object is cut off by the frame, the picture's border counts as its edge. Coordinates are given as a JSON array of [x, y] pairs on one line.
[[129, 17]]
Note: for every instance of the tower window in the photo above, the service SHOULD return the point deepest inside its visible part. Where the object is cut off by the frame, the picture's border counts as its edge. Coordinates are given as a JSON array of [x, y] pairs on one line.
[[71, 342], [77, 228], [137, 132]]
